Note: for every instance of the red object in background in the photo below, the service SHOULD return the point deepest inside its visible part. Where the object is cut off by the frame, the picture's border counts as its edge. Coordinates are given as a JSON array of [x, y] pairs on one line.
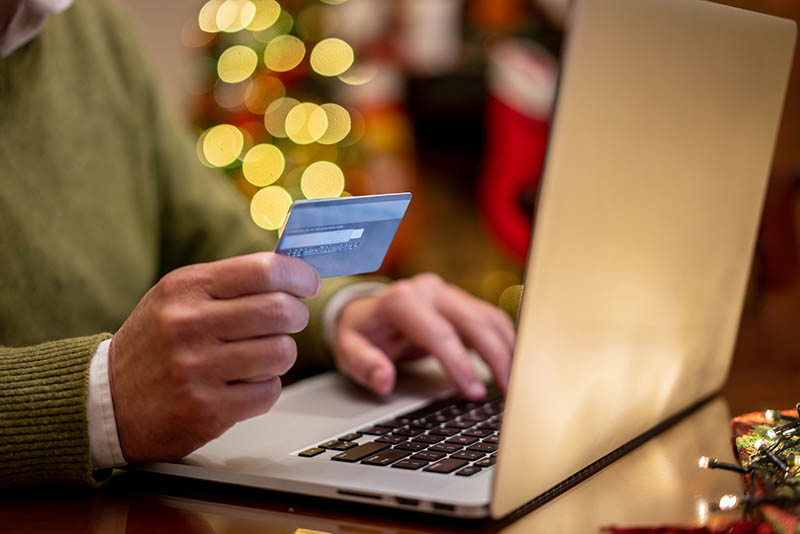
[[521, 88], [515, 156]]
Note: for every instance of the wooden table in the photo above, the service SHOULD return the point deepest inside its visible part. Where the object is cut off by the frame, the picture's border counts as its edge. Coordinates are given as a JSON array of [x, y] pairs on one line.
[[657, 483]]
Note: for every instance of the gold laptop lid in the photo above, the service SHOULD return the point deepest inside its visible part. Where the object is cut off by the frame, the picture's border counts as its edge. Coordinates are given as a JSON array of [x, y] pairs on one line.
[[657, 167]]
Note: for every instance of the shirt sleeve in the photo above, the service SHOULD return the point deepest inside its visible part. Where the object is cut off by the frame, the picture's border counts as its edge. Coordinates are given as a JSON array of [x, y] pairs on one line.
[[104, 446]]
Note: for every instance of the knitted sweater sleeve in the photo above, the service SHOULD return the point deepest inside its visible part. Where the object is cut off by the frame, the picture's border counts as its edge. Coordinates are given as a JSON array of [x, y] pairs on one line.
[[43, 426]]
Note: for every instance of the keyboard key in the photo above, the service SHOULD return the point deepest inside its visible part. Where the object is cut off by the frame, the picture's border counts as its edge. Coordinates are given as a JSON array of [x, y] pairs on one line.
[[350, 437], [460, 424], [376, 430], [424, 423], [343, 446], [407, 431], [475, 417], [468, 471], [448, 465], [391, 438], [411, 446], [486, 462], [330, 444], [467, 455], [477, 432], [490, 426], [492, 439], [462, 440], [428, 456], [445, 447], [444, 431], [385, 457], [310, 453], [360, 452], [409, 463], [428, 438], [440, 417], [482, 447]]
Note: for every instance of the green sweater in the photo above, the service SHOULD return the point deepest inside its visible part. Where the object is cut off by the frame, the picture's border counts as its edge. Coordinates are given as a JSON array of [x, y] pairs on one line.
[[101, 194]]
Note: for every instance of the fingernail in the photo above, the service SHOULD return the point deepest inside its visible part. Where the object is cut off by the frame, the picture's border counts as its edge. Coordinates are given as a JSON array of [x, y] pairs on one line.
[[475, 390], [378, 379]]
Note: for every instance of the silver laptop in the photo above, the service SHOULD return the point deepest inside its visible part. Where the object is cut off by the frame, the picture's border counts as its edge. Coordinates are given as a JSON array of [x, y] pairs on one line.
[[656, 171]]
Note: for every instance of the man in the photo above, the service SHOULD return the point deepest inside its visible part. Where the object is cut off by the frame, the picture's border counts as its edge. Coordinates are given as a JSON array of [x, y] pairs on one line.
[[108, 224]]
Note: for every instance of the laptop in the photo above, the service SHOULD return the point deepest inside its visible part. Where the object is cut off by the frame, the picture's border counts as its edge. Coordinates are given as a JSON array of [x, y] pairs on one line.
[[657, 166]]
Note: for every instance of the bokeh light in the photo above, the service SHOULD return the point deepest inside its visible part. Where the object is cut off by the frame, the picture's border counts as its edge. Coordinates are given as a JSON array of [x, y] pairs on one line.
[[222, 144], [193, 37], [275, 117], [235, 15], [322, 179], [207, 19], [510, 300], [263, 164], [261, 91], [269, 207], [229, 95], [338, 124], [359, 74], [267, 12], [236, 64], [199, 147], [331, 57], [283, 53], [306, 123], [282, 26]]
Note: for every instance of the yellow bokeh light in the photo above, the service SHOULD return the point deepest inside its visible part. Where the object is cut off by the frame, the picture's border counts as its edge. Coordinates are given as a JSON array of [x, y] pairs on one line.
[[207, 19], [322, 179], [359, 74], [235, 15], [331, 57], [284, 53], [222, 144], [261, 91], [267, 12], [282, 26], [357, 129], [510, 300], [263, 164], [306, 123], [236, 64], [199, 148], [275, 117], [338, 124], [269, 207]]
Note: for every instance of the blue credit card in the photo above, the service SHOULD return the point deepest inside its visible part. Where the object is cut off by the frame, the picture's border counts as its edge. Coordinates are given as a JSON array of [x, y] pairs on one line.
[[343, 236]]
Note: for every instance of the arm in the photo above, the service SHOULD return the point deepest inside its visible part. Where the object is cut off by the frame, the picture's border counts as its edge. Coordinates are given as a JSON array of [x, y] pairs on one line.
[[43, 434]]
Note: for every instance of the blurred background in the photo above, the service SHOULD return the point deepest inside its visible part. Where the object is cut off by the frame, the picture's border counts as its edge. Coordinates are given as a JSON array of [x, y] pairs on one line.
[[449, 99]]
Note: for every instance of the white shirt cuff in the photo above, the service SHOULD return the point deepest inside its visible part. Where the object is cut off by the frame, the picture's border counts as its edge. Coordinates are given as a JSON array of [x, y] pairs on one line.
[[104, 444], [338, 301]]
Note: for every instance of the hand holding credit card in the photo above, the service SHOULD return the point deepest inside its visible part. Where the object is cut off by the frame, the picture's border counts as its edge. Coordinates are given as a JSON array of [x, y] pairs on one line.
[[343, 236]]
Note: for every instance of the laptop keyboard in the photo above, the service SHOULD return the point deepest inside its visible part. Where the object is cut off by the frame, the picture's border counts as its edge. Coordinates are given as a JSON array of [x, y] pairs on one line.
[[446, 436]]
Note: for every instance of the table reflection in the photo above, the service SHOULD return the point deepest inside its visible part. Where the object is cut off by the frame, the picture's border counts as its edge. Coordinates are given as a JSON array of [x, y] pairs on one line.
[[658, 483]]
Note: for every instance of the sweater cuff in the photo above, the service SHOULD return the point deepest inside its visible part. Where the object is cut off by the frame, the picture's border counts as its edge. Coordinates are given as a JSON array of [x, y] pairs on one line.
[[44, 436]]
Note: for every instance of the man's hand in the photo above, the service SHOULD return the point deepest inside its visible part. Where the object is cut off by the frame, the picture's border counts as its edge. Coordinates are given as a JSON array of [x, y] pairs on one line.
[[203, 349], [418, 316]]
